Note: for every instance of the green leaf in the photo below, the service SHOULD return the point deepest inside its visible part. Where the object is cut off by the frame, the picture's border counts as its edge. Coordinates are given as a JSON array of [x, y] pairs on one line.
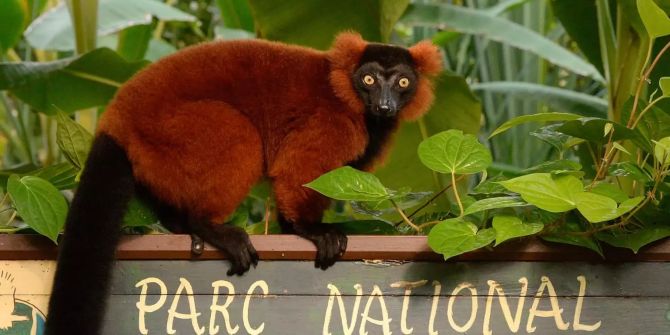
[[69, 85], [39, 204], [611, 191], [636, 239], [553, 194], [599, 208], [476, 22], [591, 129], [655, 20], [61, 175], [490, 186], [53, 30], [236, 14], [662, 151], [549, 135], [455, 236], [139, 214], [551, 166], [556, 98], [347, 183], [316, 22], [134, 41], [578, 19], [620, 148], [507, 227], [453, 152], [11, 24], [596, 207], [568, 233], [73, 140], [664, 84], [494, 203], [539, 117]]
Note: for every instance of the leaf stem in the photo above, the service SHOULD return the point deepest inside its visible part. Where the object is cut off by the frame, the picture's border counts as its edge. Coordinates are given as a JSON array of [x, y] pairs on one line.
[[458, 198], [644, 78], [435, 196], [404, 217]]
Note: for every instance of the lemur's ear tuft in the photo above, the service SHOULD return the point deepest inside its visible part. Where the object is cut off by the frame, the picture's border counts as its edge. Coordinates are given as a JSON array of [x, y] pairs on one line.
[[347, 48], [344, 56], [427, 58]]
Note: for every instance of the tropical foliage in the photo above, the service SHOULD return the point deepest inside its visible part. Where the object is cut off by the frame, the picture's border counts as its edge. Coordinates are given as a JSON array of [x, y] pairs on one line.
[[550, 120]]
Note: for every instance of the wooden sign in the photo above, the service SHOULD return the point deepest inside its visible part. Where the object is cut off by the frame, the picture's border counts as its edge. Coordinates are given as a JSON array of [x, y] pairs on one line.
[[372, 296]]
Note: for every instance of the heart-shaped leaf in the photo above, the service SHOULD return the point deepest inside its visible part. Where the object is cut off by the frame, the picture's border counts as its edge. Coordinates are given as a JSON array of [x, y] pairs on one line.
[[508, 226], [452, 151], [39, 204], [493, 203], [73, 139], [636, 239], [455, 236], [596, 207], [347, 183], [553, 194], [655, 20], [600, 208]]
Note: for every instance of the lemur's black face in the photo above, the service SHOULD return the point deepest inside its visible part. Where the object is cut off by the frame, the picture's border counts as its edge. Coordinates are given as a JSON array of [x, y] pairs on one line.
[[385, 79]]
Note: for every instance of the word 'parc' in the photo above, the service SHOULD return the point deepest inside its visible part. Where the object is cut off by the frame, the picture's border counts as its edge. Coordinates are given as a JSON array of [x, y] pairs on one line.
[[366, 311]]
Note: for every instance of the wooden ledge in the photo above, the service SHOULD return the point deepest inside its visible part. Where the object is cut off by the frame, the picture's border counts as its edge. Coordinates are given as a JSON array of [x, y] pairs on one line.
[[291, 247]]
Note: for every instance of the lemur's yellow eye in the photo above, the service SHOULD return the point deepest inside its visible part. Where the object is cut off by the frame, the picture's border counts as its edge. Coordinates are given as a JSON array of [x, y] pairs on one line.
[[403, 82], [368, 80]]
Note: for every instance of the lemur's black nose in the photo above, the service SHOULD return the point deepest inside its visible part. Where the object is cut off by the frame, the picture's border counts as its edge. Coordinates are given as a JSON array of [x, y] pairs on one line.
[[384, 109]]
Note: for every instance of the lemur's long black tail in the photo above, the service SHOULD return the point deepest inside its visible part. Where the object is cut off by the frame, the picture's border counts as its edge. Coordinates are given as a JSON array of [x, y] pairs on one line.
[[92, 232]]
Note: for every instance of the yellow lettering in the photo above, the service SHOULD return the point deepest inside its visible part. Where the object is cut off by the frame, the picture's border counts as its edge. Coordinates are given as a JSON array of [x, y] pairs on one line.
[[385, 322], [433, 308], [245, 311], [555, 311], [142, 306], [347, 327], [576, 323], [473, 312], [405, 302], [512, 323], [184, 285], [223, 309]]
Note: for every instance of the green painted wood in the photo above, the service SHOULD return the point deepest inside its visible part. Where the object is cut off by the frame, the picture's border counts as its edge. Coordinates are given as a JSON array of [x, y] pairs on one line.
[[291, 297]]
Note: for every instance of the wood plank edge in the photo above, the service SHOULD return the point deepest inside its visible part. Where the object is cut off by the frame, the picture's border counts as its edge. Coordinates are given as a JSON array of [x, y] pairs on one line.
[[291, 247]]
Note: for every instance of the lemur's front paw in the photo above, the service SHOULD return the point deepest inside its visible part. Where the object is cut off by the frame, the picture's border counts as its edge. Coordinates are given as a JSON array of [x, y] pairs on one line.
[[330, 243], [241, 253]]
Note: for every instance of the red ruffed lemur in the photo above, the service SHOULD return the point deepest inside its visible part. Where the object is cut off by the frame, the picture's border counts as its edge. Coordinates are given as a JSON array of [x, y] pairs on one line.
[[194, 131]]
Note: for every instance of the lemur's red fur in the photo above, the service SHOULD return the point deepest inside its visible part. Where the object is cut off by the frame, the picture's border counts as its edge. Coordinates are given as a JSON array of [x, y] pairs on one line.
[[202, 126]]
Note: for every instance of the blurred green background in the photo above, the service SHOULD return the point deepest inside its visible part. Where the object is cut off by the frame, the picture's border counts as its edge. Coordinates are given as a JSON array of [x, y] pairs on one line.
[[62, 61]]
